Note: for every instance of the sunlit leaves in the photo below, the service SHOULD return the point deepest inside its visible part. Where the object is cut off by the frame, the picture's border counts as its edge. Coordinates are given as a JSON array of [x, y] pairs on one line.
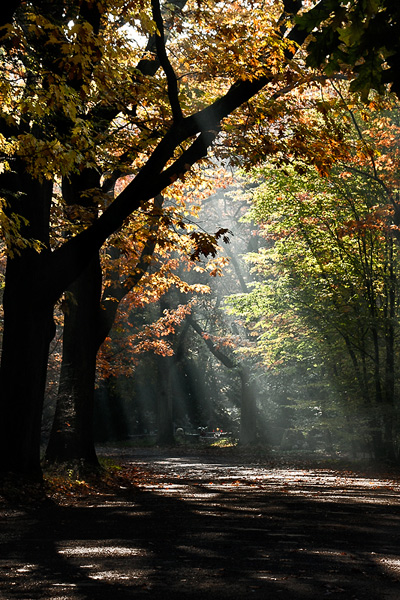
[[355, 36], [248, 35], [295, 125], [73, 90], [326, 295], [119, 355], [11, 231]]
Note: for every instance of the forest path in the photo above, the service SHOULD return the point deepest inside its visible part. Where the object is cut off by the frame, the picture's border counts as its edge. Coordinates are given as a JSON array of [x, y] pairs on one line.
[[209, 526]]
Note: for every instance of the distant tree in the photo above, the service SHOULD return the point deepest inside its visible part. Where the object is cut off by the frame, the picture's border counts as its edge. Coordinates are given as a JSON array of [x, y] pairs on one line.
[[329, 285], [248, 398]]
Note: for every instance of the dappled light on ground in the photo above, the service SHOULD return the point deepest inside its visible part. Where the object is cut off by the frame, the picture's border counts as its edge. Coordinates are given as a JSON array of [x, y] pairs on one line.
[[209, 526], [99, 551], [175, 475]]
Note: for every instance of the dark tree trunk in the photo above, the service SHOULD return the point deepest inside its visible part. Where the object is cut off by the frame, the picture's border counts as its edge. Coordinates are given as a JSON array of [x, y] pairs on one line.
[[28, 326], [71, 437], [86, 325], [165, 424], [28, 330], [390, 315], [248, 414]]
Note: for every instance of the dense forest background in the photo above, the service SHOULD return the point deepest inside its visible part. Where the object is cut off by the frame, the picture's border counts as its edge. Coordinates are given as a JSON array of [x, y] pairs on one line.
[[200, 225]]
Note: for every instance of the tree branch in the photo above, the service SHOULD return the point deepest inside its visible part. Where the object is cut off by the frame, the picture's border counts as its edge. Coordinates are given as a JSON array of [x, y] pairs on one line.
[[114, 293], [165, 63], [89, 11], [153, 178], [149, 67], [228, 362]]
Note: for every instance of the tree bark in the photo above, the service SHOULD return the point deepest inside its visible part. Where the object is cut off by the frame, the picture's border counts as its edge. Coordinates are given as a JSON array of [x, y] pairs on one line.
[[28, 326], [28, 330], [390, 314], [165, 424], [71, 437], [86, 325], [248, 412]]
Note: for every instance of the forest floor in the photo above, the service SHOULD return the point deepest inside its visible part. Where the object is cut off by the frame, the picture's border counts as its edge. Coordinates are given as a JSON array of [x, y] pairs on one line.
[[206, 523]]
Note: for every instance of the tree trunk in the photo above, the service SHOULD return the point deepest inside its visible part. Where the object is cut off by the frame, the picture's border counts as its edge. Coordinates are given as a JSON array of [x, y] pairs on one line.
[[390, 315], [28, 301], [28, 330], [165, 424], [248, 415], [71, 437], [248, 412]]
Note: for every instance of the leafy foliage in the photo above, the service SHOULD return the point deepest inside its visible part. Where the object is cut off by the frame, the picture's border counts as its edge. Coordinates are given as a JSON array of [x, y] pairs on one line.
[[326, 298], [359, 37]]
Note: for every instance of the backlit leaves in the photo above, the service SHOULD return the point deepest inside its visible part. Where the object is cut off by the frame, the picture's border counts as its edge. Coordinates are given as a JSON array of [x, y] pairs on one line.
[[325, 299], [357, 37]]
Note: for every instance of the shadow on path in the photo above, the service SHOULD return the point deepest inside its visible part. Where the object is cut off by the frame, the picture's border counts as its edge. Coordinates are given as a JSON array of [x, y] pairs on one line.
[[193, 530]]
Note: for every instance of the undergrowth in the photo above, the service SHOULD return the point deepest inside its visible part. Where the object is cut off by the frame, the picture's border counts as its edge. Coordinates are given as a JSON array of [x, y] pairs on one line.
[[78, 480]]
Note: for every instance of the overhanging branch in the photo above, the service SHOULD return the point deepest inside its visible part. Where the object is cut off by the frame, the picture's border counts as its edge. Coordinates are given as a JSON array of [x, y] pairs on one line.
[[165, 63], [228, 362], [154, 177]]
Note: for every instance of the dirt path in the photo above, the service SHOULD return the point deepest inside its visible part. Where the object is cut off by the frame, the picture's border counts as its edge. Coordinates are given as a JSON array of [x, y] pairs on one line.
[[210, 526]]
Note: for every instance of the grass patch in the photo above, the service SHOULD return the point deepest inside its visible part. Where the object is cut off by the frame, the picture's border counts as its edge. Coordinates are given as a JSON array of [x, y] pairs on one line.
[[224, 442]]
